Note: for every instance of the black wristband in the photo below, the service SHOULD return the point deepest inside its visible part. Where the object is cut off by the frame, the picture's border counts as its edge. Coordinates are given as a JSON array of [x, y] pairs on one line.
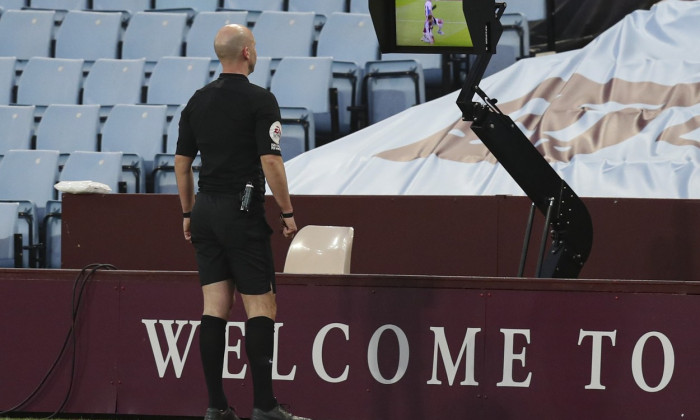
[[287, 215], [186, 215]]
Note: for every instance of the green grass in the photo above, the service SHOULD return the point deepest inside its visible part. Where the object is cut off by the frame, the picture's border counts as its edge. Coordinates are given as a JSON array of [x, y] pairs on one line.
[[410, 19]]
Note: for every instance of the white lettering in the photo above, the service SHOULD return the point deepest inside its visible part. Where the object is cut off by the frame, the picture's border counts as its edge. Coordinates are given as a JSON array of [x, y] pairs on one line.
[[317, 353], [669, 362], [596, 353], [171, 340], [509, 357], [233, 349], [373, 349], [290, 376], [451, 367]]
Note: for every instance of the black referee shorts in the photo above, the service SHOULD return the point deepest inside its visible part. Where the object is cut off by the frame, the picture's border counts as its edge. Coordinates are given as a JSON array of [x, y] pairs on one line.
[[231, 244]]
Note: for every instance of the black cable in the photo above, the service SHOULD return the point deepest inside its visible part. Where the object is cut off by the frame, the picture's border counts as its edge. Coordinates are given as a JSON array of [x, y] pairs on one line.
[[82, 279]]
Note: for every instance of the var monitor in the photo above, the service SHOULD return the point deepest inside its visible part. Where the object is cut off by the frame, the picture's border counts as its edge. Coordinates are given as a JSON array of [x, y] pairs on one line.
[[434, 26]]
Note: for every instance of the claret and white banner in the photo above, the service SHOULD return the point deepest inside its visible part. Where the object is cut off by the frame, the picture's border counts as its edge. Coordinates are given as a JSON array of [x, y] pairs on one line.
[[618, 118], [342, 352]]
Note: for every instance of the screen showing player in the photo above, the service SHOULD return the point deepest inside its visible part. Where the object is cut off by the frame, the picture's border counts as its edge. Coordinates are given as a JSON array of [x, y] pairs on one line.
[[438, 23]]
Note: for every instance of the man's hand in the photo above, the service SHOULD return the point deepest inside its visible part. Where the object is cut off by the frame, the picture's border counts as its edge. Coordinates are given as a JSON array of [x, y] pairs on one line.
[[186, 229], [289, 226]]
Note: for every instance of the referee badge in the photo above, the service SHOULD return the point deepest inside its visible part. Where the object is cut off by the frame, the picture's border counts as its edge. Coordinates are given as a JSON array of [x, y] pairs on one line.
[[276, 132]]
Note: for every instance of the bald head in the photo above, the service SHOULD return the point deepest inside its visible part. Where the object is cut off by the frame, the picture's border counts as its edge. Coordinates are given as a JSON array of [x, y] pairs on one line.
[[235, 47]]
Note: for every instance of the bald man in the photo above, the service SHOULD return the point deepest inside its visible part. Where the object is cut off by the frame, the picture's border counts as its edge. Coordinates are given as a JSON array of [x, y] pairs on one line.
[[235, 127]]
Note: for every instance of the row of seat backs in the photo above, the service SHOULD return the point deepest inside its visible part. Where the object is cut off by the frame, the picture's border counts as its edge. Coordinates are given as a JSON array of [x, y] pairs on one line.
[[318, 6], [92, 35]]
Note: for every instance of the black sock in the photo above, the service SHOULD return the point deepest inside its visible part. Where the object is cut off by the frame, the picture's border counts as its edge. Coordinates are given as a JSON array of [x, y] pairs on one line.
[[212, 341], [259, 346]]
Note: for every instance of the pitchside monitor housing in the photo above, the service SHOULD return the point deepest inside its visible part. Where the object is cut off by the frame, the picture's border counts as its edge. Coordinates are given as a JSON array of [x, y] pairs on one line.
[[467, 26]]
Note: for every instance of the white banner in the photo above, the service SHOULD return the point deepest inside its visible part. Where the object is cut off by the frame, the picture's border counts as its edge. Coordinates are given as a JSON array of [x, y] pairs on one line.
[[618, 118]]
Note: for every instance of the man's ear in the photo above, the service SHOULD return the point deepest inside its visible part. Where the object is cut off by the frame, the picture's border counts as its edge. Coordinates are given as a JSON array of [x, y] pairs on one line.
[[246, 52]]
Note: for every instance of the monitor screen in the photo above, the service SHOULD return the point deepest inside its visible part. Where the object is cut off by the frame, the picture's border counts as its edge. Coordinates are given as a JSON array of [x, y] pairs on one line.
[[431, 23], [436, 26]]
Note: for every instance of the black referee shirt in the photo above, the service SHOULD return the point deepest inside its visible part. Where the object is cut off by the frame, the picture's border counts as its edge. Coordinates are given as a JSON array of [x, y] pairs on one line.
[[231, 122]]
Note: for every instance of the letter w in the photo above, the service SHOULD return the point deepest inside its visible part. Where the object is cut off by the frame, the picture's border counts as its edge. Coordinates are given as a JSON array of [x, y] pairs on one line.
[[451, 367], [171, 341]]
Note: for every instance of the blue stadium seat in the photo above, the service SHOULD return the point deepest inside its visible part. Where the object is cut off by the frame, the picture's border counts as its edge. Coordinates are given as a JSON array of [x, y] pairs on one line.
[[341, 30], [284, 34], [391, 87], [320, 7], [304, 82], [532, 9], [52, 234], [164, 181], [196, 5], [152, 35], [89, 35], [430, 63], [359, 6], [105, 74], [47, 81], [9, 225], [7, 79], [138, 131], [59, 4], [298, 131], [200, 37], [175, 79], [262, 75], [32, 192], [104, 167], [173, 131], [255, 5], [26, 34], [131, 6], [16, 127], [12, 4], [68, 128]]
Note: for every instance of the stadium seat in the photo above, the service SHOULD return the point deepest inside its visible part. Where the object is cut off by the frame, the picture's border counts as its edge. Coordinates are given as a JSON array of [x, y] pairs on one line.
[[52, 234], [107, 73], [298, 131], [47, 81], [200, 37], [6, 5], [89, 35], [59, 4], [392, 86], [131, 6], [255, 5], [103, 167], [284, 34], [7, 79], [305, 82], [9, 221], [31, 192], [68, 128], [26, 34], [164, 181], [197, 5], [341, 30], [430, 63], [175, 79], [137, 131], [16, 127], [320, 7], [320, 250], [173, 131], [261, 76], [359, 6], [532, 9], [164, 32]]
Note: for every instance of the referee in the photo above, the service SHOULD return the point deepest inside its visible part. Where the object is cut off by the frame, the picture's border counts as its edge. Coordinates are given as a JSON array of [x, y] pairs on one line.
[[235, 126]]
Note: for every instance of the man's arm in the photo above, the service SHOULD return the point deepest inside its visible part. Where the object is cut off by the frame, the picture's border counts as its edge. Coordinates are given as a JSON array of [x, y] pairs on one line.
[[185, 188], [276, 177]]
